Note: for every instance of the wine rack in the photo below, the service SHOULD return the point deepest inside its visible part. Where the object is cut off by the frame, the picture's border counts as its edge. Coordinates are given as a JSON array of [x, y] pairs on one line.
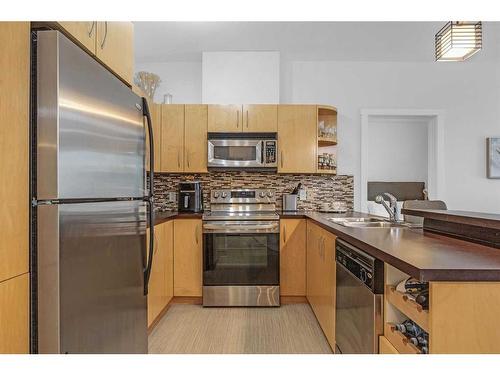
[[408, 307], [400, 341], [399, 307]]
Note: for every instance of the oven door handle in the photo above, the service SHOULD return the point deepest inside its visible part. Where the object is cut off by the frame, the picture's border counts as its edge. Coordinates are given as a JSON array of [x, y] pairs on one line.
[[241, 228]]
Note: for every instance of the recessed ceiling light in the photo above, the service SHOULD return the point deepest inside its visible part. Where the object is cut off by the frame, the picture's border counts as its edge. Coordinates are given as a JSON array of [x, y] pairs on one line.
[[458, 40]]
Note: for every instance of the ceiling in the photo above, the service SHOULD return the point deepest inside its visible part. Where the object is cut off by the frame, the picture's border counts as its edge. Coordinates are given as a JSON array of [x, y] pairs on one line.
[[345, 41]]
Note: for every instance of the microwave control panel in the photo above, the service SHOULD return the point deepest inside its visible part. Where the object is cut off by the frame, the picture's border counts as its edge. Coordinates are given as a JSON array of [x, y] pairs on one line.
[[270, 152]]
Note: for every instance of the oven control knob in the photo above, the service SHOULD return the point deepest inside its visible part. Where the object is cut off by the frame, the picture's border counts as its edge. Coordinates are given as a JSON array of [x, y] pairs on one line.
[[216, 194], [262, 194], [224, 194], [269, 194]]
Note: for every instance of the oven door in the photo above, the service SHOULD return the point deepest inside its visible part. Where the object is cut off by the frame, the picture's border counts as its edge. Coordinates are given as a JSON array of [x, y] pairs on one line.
[[235, 153], [240, 253]]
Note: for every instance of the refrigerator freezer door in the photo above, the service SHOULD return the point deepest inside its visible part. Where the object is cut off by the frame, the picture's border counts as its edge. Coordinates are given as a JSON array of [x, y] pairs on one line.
[[91, 258], [90, 130]]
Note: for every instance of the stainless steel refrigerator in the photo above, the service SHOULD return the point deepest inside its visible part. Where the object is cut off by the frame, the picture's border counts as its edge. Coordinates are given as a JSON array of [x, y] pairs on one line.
[[90, 204]]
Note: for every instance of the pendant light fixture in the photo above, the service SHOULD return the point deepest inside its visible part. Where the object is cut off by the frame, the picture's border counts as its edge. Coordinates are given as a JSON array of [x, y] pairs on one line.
[[458, 40]]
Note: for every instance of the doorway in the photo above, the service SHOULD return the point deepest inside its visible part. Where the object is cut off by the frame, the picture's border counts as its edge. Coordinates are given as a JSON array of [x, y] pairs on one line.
[[399, 145]]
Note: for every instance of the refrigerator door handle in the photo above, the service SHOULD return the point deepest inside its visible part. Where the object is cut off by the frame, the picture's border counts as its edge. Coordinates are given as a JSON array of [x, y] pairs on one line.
[[150, 196]]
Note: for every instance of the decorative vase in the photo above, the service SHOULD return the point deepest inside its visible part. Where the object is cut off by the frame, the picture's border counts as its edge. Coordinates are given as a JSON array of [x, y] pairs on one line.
[[148, 82]]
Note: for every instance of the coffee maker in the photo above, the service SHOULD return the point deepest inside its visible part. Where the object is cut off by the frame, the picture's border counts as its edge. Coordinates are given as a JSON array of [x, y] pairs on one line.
[[190, 197]]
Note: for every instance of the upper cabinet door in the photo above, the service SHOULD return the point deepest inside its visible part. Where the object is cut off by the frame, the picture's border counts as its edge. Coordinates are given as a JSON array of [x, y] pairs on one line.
[[83, 32], [115, 47], [172, 138], [297, 138], [225, 118], [195, 138], [261, 118]]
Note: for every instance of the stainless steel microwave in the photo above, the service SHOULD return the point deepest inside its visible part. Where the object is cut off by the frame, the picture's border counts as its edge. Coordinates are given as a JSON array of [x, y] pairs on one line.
[[257, 151]]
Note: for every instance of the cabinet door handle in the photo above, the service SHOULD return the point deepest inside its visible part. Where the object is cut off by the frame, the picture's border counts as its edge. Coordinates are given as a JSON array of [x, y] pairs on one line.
[[105, 34], [284, 233], [187, 157], [91, 31], [247, 119], [238, 118], [281, 159], [196, 234], [178, 158]]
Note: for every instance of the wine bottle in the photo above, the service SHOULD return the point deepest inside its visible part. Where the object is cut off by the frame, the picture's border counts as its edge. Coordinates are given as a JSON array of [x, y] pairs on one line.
[[409, 328], [420, 341]]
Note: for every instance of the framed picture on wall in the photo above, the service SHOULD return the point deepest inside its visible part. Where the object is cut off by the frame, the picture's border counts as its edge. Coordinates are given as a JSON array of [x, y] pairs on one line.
[[493, 155]]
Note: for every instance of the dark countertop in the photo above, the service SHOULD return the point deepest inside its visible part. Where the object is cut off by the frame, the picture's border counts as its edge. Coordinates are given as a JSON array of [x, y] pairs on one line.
[[461, 217], [423, 255], [163, 216]]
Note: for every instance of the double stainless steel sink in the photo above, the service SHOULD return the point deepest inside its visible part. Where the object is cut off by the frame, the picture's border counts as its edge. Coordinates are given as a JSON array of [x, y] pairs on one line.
[[369, 222]]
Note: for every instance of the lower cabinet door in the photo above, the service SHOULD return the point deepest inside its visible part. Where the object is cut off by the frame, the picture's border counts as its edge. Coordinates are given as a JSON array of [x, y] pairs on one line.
[[14, 315], [168, 244], [157, 287], [328, 287], [293, 257], [313, 267], [187, 258]]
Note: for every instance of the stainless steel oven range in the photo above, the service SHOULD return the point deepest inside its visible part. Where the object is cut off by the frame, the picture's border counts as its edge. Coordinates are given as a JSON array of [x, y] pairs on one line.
[[241, 249]]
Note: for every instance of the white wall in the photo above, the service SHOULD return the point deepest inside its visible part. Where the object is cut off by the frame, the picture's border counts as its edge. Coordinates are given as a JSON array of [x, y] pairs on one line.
[[182, 79], [397, 150], [469, 94], [240, 77]]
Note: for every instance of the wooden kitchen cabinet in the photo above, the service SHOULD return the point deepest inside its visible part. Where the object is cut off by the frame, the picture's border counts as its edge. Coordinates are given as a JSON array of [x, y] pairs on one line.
[[297, 138], [328, 287], [14, 315], [293, 257], [187, 258], [172, 138], [321, 278], [83, 32], [225, 118], [14, 148], [195, 138], [260, 118], [115, 47], [161, 279], [313, 265], [157, 287]]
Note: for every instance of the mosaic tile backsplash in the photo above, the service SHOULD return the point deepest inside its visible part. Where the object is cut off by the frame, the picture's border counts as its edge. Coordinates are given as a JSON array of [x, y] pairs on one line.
[[320, 188]]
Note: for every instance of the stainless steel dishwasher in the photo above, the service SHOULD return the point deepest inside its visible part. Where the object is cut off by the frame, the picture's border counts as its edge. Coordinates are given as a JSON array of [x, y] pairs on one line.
[[359, 302]]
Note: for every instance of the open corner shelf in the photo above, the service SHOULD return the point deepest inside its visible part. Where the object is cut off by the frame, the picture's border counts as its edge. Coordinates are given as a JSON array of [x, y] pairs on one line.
[[326, 142]]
